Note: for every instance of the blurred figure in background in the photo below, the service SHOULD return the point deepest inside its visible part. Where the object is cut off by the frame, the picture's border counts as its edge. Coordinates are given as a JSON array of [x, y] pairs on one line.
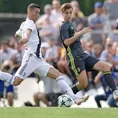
[[107, 96], [12, 42], [6, 90], [78, 19], [111, 7], [6, 52], [47, 12], [56, 4], [17, 57], [47, 31], [96, 22]]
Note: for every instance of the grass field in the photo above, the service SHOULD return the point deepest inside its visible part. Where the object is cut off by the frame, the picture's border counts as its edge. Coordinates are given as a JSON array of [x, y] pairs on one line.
[[58, 113]]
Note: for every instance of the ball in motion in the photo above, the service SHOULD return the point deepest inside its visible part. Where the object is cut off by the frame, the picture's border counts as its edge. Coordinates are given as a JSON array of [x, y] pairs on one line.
[[65, 101]]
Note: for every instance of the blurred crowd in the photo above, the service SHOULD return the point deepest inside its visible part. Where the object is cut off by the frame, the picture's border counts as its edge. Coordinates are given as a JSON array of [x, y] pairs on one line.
[[101, 43]]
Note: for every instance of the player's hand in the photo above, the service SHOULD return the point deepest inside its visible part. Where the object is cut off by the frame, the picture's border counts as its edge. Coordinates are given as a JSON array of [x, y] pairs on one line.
[[86, 30]]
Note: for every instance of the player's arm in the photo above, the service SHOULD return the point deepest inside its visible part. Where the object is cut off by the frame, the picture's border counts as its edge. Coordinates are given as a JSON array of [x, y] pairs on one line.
[[71, 40], [26, 36]]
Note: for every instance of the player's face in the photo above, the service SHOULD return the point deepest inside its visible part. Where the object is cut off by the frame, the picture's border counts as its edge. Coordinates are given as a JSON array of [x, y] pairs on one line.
[[35, 14], [67, 14]]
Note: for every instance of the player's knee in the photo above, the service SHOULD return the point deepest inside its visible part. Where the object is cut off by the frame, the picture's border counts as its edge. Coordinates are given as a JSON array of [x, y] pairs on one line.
[[106, 68], [54, 73], [16, 82], [96, 98]]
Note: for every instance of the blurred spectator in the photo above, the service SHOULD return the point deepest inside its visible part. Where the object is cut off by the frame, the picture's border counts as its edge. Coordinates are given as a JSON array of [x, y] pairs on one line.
[[6, 90], [47, 31], [107, 92], [96, 52], [12, 42], [76, 9], [107, 53], [6, 52], [89, 46], [47, 12], [78, 19], [56, 11], [44, 47], [111, 7], [97, 49], [50, 94], [96, 22], [51, 52], [17, 57]]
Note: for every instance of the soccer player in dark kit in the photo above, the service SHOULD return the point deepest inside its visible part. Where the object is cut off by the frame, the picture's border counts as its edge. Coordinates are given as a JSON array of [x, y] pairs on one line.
[[79, 61]]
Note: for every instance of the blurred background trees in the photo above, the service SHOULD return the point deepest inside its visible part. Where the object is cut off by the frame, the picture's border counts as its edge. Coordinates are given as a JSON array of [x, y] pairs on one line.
[[19, 6]]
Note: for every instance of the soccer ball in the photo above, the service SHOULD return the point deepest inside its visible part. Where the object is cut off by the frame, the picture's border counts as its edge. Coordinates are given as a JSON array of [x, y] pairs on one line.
[[65, 101]]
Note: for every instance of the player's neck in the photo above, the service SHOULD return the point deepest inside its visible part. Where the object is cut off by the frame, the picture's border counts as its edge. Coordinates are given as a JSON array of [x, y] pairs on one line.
[[30, 18], [67, 21]]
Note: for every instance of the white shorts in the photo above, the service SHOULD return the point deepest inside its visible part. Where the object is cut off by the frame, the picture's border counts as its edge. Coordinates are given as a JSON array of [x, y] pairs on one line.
[[30, 64]]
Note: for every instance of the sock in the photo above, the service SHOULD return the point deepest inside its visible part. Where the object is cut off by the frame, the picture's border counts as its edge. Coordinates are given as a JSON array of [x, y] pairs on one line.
[[6, 77], [75, 88], [109, 80], [65, 88]]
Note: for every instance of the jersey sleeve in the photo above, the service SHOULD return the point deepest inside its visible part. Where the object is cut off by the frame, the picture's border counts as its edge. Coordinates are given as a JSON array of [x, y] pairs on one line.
[[64, 32], [30, 25], [19, 31]]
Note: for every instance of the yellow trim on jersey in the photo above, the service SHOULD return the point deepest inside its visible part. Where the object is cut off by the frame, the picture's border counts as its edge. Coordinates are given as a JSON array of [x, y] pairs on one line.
[[73, 67]]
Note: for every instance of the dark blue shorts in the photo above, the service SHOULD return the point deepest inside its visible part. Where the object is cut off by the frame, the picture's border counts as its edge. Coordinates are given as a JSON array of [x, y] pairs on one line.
[[2, 86], [77, 65]]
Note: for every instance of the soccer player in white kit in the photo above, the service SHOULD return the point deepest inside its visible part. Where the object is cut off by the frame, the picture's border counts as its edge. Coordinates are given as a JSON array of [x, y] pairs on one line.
[[32, 61]]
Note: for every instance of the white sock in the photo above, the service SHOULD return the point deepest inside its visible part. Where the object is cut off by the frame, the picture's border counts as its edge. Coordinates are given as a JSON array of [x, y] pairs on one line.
[[6, 77], [64, 87]]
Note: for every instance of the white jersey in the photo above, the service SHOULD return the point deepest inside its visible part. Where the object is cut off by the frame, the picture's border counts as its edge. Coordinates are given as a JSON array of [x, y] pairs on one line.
[[31, 62], [33, 41]]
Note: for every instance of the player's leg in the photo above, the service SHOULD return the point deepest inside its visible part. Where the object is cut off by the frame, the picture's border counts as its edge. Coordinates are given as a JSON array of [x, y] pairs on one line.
[[10, 78], [40, 97], [99, 98], [77, 68], [10, 98], [10, 95], [27, 67], [47, 70], [105, 68]]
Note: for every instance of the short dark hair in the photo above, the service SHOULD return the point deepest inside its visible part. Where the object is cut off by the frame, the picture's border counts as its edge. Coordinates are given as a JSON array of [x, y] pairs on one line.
[[33, 5], [66, 6]]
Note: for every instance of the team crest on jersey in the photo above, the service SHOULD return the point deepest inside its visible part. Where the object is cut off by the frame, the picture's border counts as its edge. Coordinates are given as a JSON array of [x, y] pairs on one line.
[[72, 28], [78, 69]]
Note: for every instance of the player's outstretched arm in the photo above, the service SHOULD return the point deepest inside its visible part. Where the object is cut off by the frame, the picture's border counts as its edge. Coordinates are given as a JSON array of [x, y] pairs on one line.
[[71, 40], [26, 36]]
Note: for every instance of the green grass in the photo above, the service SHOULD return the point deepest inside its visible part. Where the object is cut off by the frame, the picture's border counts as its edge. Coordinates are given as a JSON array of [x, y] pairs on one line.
[[58, 113]]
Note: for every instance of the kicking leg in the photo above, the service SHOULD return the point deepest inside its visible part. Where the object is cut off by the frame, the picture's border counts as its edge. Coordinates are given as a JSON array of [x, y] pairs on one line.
[[65, 88], [10, 79]]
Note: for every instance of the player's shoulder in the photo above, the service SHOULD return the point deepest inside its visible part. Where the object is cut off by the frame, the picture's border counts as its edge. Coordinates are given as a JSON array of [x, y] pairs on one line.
[[22, 24], [65, 25], [29, 22]]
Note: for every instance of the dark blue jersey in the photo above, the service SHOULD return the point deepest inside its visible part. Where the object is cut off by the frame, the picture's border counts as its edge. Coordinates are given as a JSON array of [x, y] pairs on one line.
[[75, 49]]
